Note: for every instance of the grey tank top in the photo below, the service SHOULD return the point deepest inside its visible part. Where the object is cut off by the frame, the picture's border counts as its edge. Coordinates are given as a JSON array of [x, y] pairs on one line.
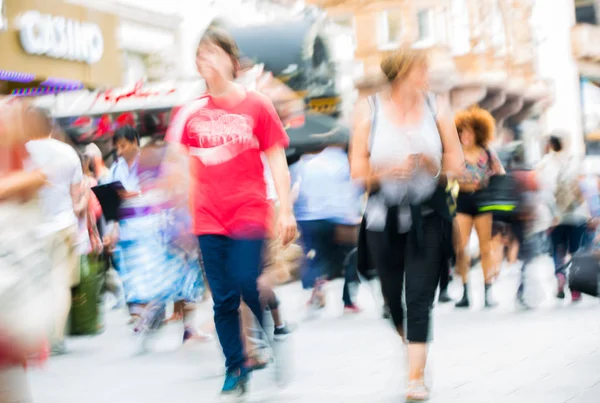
[[390, 144]]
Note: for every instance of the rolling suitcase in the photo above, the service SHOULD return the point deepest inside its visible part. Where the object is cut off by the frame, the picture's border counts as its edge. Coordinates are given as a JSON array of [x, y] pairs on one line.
[[584, 273]]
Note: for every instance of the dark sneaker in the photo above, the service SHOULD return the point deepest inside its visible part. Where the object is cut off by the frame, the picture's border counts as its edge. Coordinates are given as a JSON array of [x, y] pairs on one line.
[[444, 297], [281, 333], [463, 303], [236, 382], [190, 334], [490, 301]]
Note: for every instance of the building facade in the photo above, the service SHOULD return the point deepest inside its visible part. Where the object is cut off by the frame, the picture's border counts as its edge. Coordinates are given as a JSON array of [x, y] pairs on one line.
[[586, 53], [147, 37], [51, 46], [482, 51]]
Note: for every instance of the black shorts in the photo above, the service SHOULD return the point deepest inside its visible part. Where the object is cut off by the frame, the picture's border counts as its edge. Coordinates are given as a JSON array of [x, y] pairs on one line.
[[466, 203]]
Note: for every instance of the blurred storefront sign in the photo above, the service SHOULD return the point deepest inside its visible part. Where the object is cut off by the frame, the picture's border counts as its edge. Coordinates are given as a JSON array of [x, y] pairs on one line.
[[52, 38], [60, 38]]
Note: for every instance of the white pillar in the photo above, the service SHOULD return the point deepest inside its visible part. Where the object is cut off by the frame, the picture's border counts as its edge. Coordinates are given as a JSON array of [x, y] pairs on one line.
[[556, 62]]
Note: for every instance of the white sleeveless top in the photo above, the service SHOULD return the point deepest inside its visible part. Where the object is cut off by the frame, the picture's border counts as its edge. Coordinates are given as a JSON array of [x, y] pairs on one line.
[[390, 144]]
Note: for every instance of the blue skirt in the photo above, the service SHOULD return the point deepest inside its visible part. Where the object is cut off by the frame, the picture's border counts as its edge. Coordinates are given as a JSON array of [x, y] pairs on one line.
[[151, 267]]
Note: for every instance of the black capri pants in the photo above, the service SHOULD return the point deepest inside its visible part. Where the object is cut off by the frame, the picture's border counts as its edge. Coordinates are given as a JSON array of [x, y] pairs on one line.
[[409, 273]]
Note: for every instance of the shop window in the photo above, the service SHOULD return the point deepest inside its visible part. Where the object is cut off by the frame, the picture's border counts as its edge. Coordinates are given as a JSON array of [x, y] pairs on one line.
[[585, 12], [390, 28], [590, 95], [135, 67], [425, 20]]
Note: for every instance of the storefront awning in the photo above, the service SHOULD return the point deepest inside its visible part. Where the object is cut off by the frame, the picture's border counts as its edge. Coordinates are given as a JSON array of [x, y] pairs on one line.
[[26, 84]]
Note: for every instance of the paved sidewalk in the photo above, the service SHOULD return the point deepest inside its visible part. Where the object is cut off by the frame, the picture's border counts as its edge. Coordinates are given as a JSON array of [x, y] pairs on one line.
[[548, 355]]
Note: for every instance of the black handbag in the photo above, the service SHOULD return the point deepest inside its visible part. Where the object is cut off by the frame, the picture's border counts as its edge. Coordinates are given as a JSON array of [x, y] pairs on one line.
[[500, 197], [584, 273]]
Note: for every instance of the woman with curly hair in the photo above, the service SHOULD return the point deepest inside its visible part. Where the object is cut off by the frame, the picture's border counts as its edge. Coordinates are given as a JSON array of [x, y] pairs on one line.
[[476, 130]]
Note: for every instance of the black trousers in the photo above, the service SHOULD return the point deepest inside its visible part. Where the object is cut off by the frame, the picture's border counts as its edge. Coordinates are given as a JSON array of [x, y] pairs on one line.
[[445, 274], [411, 274]]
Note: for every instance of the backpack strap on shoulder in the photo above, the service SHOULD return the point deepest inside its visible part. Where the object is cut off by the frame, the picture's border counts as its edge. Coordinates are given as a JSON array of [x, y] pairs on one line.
[[431, 100], [374, 104]]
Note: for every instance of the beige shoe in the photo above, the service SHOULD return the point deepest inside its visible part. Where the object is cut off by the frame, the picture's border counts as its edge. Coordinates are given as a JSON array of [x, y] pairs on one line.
[[417, 391]]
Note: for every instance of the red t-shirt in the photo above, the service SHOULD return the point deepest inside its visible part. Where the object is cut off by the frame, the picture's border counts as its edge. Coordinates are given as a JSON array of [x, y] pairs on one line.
[[228, 194]]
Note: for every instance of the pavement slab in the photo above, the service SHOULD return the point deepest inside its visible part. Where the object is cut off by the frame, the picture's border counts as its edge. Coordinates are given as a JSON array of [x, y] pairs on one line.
[[506, 355]]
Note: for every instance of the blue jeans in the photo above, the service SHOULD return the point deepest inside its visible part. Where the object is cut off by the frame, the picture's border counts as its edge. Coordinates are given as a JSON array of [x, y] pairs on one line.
[[232, 268], [318, 237], [566, 239]]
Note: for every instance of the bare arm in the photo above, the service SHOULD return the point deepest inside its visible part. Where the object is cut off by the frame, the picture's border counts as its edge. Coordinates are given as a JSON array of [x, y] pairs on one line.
[[360, 166], [497, 164], [21, 184], [80, 198], [281, 180], [453, 160], [281, 176]]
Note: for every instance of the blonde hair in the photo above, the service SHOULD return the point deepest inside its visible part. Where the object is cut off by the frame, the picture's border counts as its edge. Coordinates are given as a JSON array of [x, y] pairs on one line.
[[399, 63]]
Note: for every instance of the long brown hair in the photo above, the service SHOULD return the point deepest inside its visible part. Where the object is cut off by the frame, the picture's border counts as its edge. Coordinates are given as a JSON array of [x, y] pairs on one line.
[[225, 41]]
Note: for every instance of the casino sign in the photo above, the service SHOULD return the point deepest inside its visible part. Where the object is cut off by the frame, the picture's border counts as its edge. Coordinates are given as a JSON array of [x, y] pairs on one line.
[[60, 38]]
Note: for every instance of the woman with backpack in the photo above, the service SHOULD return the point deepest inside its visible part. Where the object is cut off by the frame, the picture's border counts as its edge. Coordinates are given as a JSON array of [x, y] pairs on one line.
[[403, 146], [476, 129], [561, 171]]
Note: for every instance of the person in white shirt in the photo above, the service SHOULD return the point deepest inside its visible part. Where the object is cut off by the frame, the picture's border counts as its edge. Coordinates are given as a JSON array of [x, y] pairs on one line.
[[559, 172], [62, 204]]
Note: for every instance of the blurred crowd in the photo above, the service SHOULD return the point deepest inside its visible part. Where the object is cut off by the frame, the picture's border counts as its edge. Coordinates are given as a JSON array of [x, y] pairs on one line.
[[213, 212]]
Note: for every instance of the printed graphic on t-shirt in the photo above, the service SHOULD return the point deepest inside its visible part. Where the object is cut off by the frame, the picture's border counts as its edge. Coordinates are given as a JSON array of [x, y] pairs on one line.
[[221, 136]]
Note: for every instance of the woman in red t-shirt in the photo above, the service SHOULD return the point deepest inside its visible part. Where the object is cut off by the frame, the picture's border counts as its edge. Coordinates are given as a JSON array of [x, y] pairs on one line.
[[224, 132]]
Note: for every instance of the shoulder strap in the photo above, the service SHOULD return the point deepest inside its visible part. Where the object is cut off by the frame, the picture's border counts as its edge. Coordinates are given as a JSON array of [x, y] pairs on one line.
[[489, 155], [431, 100], [374, 104]]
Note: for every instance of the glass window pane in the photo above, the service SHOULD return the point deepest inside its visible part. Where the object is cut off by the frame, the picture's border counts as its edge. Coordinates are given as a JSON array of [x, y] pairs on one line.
[[425, 28], [394, 24]]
